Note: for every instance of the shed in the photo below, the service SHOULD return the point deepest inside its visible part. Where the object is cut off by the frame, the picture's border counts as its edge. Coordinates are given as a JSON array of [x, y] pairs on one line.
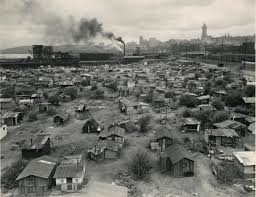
[[37, 176], [70, 174], [237, 126], [112, 150], [92, 126], [245, 161], [7, 103], [249, 102], [244, 119], [12, 118], [191, 124], [221, 137], [61, 118], [114, 133], [44, 107], [81, 108], [205, 99], [39, 146], [177, 160], [220, 93], [96, 152], [128, 126], [164, 138]]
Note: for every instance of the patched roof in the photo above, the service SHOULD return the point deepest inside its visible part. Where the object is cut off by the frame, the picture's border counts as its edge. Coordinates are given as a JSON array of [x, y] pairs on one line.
[[37, 143], [222, 132], [163, 132], [176, 153], [113, 130], [39, 167], [229, 124], [128, 125], [64, 116]]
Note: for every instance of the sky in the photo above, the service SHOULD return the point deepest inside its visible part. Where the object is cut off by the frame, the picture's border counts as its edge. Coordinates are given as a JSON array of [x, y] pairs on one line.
[[27, 22]]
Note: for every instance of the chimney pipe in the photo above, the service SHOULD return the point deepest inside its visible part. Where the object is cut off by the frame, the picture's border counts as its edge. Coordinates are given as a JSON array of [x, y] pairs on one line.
[[31, 142]]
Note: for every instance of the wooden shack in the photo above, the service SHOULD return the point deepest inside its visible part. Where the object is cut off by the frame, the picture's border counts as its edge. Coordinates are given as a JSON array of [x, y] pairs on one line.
[[44, 107], [240, 128], [37, 176], [114, 133], [128, 126], [221, 137], [61, 118], [191, 125], [39, 146], [205, 99], [112, 150], [12, 118], [7, 103], [163, 138], [81, 108], [92, 126], [177, 160]]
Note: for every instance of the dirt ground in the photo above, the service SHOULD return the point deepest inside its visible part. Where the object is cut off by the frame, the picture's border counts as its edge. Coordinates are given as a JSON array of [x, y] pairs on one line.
[[203, 183]]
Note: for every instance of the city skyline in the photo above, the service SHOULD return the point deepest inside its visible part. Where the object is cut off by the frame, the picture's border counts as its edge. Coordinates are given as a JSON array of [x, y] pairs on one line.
[[23, 24]]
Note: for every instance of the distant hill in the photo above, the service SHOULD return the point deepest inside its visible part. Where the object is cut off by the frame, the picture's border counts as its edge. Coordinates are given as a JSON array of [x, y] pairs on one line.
[[16, 50], [76, 49]]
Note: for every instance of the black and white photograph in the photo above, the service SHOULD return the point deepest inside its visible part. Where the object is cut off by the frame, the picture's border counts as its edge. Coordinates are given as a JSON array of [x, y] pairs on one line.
[[127, 98]]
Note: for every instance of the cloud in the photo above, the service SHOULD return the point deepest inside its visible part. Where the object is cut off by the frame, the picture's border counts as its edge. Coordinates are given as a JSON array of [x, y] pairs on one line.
[[164, 19]]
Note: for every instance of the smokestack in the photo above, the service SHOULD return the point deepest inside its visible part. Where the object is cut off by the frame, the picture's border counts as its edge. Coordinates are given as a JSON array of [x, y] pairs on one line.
[[124, 49], [31, 142]]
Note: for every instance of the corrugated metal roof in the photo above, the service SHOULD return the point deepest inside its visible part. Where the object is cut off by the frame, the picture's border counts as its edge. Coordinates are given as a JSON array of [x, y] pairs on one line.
[[71, 167], [39, 167], [10, 114]]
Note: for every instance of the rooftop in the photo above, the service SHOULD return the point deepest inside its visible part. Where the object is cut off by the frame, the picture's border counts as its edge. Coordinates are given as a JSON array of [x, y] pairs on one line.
[[247, 158], [40, 167]]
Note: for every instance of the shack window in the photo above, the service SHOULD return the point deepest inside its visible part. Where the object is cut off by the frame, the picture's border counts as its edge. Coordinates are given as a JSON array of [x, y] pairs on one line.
[[30, 182]]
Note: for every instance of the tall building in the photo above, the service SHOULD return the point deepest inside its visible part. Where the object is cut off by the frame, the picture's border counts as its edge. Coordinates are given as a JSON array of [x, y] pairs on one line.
[[204, 32]]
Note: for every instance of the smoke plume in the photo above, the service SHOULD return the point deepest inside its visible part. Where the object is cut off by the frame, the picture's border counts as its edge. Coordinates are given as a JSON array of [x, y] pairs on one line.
[[55, 29]]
